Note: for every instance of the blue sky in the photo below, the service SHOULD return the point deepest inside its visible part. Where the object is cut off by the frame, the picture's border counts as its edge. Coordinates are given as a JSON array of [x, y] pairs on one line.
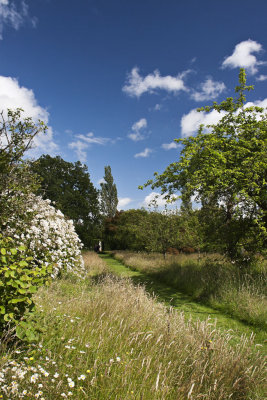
[[117, 81]]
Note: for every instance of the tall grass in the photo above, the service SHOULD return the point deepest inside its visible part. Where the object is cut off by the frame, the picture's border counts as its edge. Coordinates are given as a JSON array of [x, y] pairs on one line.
[[111, 340], [243, 294]]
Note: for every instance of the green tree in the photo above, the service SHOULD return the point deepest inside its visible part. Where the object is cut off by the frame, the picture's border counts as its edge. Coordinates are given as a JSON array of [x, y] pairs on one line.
[[16, 137], [125, 230], [226, 169], [161, 230], [108, 194], [69, 186]]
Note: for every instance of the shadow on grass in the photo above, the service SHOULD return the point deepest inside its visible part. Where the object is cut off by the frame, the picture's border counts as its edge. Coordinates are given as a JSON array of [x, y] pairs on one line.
[[163, 292], [184, 303]]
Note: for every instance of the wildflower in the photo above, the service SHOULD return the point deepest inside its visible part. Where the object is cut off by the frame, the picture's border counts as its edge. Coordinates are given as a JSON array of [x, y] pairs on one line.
[[56, 375], [82, 377], [34, 378], [118, 359]]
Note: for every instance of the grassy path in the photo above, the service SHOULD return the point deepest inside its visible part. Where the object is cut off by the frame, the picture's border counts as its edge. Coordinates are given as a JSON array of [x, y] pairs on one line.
[[178, 300]]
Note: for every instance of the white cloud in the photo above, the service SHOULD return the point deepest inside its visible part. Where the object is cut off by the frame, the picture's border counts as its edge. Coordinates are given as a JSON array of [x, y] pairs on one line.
[[136, 85], [243, 57], [80, 149], [91, 139], [84, 142], [144, 153], [138, 126], [12, 16], [159, 198], [158, 107], [261, 78], [190, 122], [123, 201], [13, 96], [208, 90], [170, 146]]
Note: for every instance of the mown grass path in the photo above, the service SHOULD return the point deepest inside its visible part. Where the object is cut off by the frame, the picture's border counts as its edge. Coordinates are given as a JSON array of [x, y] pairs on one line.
[[184, 303]]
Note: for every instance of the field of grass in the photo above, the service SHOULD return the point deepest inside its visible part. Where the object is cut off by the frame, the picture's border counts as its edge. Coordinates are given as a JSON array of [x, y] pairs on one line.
[[104, 338], [210, 280]]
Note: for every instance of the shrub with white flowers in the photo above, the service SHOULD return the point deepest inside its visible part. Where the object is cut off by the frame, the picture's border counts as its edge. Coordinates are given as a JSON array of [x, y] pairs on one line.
[[48, 236]]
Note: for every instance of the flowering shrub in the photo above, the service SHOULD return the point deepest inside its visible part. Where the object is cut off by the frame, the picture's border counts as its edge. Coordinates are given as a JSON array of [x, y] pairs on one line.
[[48, 236]]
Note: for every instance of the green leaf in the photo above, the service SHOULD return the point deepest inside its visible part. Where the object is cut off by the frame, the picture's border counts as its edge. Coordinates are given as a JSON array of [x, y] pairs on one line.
[[18, 300], [23, 263], [22, 248]]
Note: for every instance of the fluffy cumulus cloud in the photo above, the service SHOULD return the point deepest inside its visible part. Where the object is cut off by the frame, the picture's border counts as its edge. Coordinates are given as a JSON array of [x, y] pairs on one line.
[[13, 96], [137, 129], [171, 145], [136, 85], [190, 122], [123, 202], [83, 142], [144, 154], [11, 15], [243, 56], [209, 90]]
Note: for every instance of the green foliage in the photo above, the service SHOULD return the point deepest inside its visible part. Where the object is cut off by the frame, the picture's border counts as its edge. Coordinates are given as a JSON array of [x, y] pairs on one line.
[[123, 231], [226, 168], [20, 278], [69, 186], [108, 193], [143, 230], [16, 137], [161, 230]]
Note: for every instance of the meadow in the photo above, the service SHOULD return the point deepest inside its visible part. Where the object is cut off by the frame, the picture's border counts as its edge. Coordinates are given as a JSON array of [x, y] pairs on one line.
[[103, 337], [212, 280]]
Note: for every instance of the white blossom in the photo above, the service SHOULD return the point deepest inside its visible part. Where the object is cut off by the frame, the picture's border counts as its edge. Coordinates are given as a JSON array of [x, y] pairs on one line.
[[49, 237]]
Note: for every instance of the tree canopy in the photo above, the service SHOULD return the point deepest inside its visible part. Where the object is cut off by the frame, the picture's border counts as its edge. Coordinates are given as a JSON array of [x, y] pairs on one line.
[[226, 168], [69, 186]]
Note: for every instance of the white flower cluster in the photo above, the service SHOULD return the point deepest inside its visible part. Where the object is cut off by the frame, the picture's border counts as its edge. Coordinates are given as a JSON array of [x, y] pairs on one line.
[[48, 235]]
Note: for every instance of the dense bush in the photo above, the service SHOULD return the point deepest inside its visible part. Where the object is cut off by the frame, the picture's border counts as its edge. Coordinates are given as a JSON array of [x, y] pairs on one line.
[[20, 277], [37, 245], [48, 236]]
